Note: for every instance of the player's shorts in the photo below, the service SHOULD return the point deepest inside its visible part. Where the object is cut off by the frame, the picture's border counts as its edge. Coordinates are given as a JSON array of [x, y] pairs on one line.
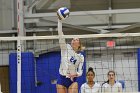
[[66, 82]]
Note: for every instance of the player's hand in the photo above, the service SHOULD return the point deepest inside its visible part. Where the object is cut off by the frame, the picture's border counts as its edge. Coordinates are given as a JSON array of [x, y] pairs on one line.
[[71, 78], [70, 75]]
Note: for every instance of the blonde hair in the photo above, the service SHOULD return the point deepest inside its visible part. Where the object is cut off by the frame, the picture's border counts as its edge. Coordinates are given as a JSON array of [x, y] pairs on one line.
[[81, 47]]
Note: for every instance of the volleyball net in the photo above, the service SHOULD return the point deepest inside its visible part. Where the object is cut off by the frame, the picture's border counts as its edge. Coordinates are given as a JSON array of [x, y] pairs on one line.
[[31, 64]]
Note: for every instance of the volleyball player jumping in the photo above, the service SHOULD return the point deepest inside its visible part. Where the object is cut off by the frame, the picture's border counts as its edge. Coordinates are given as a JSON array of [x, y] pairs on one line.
[[71, 66]]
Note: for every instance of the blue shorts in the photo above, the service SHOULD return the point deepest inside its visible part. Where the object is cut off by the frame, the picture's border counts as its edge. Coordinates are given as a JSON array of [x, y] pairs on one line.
[[66, 82]]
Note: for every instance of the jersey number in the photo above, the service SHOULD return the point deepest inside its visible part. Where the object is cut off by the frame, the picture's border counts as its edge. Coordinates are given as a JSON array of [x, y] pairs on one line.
[[73, 60]]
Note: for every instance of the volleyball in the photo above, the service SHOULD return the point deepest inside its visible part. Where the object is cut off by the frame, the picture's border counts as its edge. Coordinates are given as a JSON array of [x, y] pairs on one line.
[[63, 13]]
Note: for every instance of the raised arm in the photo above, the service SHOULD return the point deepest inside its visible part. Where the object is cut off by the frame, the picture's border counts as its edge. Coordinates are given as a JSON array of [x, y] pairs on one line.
[[62, 41]]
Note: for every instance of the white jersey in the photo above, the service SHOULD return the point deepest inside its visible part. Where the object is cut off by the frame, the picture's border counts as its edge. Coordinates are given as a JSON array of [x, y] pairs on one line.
[[71, 62], [116, 88], [86, 89]]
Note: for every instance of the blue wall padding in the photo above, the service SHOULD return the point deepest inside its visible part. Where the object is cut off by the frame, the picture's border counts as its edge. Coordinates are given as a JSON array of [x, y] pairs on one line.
[[138, 56], [47, 70], [27, 67]]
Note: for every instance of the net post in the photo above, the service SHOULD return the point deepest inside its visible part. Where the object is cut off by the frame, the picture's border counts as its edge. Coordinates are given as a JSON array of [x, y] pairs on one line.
[[18, 66], [20, 29]]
